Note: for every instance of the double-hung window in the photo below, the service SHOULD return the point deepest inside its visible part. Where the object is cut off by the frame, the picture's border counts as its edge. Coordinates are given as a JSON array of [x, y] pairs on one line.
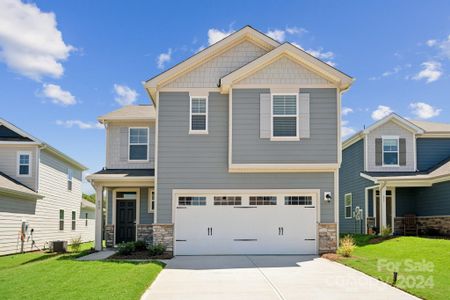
[[198, 115], [61, 219], [348, 199], [284, 116], [138, 144], [151, 201], [24, 163], [74, 220], [69, 179], [390, 151]]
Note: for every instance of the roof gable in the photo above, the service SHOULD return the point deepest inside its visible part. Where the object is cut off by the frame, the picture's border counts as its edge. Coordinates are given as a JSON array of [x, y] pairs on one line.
[[324, 70], [130, 113], [6, 134], [396, 119]]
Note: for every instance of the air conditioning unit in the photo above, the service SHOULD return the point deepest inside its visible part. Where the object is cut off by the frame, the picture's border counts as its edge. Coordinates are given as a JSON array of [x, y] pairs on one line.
[[58, 246]]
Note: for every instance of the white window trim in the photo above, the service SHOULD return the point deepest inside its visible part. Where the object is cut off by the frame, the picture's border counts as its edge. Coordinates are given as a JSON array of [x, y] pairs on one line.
[[345, 206], [388, 137], [284, 138], [191, 131], [151, 199], [130, 144], [29, 163]]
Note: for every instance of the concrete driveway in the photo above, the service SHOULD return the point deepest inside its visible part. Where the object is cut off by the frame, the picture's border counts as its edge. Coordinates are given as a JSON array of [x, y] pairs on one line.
[[265, 277]]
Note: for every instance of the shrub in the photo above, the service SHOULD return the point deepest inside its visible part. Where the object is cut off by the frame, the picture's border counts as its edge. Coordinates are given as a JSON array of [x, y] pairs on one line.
[[125, 248], [347, 246], [386, 231], [75, 243], [140, 245], [157, 249]]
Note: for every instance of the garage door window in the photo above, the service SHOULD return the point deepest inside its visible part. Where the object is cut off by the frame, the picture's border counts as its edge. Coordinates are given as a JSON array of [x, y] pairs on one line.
[[227, 200], [192, 201], [298, 200], [263, 200]]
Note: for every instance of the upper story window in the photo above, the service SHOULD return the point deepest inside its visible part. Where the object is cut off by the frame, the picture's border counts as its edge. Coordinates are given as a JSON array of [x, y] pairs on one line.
[[24, 163], [69, 179], [390, 151], [138, 144], [284, 116], [199, 115]]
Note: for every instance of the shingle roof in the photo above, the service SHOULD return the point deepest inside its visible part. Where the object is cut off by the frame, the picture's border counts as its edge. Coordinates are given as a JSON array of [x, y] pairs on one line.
[[86, 203], [127, 172], [130, 112], [432, 126], [10, 185]]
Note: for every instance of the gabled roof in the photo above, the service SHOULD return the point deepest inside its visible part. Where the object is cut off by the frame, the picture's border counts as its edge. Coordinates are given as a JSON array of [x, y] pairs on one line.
[[432, 127], [130, 113], [246, 32], [33, 140], [13, 187], [302, 57]]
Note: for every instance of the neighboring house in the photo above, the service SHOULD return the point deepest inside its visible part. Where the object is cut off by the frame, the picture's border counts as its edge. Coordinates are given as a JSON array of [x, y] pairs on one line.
[[40, 194], [241, 155], [393, 168]]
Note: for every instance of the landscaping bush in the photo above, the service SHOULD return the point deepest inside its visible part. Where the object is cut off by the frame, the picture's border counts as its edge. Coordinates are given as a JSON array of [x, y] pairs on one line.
[[347, 246], [75, 244], [140, 245], [386, 231], [156, 250], [125, 248]]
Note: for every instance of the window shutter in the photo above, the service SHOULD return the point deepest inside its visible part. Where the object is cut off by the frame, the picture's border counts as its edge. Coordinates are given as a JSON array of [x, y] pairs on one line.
[[264, 116], [304, 112], [402, 153], [123, 140], [378, 152]]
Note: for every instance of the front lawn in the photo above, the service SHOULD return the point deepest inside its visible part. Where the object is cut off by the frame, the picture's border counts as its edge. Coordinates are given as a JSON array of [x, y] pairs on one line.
[[47, 276], [422, 264]]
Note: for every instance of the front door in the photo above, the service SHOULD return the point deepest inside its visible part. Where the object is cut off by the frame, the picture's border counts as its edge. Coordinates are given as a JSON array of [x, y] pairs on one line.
[[126, 221]]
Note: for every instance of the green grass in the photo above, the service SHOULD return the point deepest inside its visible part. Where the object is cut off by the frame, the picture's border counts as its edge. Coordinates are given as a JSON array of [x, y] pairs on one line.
[[405, 254], [40, 275]]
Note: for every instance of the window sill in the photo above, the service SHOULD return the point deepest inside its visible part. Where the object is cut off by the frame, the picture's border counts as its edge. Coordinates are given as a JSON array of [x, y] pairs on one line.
[[390, 166], [288, 139], [138, 161], [199, 132]]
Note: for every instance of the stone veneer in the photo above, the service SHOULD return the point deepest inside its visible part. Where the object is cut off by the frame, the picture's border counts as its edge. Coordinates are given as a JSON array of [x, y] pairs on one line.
[[327, 237], [438, 223], [163, 234], [145, 233], [109, 235]]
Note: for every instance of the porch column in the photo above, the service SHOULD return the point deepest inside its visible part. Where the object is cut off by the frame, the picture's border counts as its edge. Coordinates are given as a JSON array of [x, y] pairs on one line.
[[383, 207], [98, 217]]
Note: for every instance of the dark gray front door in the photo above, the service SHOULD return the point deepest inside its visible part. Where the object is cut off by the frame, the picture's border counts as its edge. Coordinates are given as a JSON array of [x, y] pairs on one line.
[[126, 221]]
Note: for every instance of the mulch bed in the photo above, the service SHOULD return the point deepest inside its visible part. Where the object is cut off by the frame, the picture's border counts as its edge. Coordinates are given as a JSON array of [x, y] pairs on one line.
[[144, 255], [331, 256]]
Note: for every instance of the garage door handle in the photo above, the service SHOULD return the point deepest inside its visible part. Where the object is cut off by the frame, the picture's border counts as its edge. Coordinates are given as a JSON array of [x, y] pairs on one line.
[[280, 231], [180, 240], [310, 239], [181, 207], [245, 240]]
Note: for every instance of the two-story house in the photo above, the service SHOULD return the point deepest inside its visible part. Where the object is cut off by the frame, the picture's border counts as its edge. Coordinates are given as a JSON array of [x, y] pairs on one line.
[[239, 155], [40, 194], [396, 168]]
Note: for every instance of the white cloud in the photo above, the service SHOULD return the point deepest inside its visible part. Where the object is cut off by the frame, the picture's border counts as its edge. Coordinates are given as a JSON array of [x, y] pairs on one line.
[[381, 112], [346, 130], [296, 30], [431, 43], [80, 124], [124, 94], [432, 71], [164, 58], [297, 45], [320, 54], [277, 34], [215, 35], [442, 45], [30, 41], [58, 95], [346, 110], [423, 110]]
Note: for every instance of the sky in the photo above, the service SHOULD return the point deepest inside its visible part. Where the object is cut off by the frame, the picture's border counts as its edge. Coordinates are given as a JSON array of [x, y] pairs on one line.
[[64, 63]]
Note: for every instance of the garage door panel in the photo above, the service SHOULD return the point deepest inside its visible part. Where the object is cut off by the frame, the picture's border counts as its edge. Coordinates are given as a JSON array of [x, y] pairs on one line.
[[245, 229]]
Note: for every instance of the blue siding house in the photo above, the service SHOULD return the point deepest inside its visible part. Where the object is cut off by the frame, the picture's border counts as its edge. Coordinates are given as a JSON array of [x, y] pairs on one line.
[[396, 167]]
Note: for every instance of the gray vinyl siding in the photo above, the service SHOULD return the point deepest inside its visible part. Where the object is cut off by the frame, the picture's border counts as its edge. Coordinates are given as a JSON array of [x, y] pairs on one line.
[[201, 161], [145, 217], [8, 163], [117, 146], [350, 181], [248, 147], [431, 151]]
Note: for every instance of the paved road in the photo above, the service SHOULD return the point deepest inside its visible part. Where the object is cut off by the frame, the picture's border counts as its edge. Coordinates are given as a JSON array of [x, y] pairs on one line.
[[265, 277]]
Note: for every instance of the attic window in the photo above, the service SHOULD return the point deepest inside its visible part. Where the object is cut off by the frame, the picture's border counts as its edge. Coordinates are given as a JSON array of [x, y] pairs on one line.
[[24, 163]]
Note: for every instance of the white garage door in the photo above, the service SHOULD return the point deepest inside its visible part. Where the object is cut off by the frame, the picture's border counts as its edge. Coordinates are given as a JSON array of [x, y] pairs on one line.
[[245, 222]]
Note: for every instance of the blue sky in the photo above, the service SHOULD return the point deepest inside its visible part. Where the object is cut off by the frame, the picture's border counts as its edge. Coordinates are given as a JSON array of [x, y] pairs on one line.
[[63, 63]]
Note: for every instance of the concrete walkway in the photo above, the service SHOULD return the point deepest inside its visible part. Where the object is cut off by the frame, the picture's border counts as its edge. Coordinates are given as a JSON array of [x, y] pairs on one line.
[[265, 277], [104, 254]]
